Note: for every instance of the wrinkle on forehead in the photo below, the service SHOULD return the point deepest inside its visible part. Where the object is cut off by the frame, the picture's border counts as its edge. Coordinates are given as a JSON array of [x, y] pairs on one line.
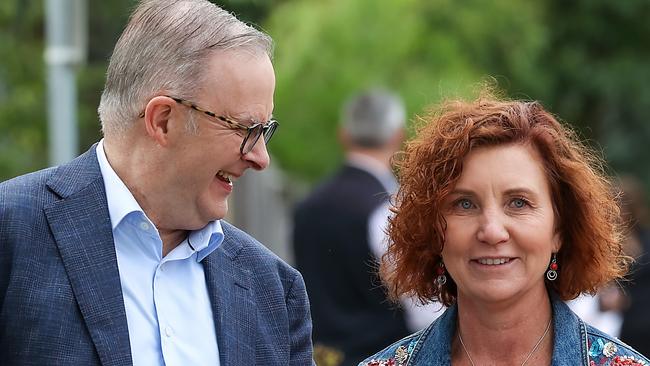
[[241, 85]]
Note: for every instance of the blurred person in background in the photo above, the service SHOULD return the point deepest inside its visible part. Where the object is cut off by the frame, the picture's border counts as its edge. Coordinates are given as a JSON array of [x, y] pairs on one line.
[[602, 310], [338, 235], [502, 215], [121, 256], [635, 330]]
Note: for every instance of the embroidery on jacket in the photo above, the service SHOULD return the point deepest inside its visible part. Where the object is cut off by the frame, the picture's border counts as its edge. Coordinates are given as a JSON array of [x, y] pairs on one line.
[[604, 353], [402, 354]]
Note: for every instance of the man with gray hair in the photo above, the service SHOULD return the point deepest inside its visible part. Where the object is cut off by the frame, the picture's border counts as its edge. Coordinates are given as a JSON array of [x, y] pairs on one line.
[[335, 240], [122, 256]]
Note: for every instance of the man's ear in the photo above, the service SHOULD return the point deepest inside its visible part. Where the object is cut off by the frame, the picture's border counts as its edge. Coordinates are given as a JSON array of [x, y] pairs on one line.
[[344, 138], [398, 139], [157, 114]]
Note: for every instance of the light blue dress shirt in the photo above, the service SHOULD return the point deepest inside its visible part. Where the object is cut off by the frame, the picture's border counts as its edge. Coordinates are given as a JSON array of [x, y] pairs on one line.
[[166, 299]]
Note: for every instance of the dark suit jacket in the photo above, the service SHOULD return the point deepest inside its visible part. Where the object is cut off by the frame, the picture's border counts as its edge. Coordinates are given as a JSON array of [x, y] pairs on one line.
[[60, 295], [635, 330], [349, 305]]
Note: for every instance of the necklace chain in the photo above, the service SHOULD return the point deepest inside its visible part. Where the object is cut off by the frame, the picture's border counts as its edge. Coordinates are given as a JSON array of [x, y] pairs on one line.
[[548, 326]]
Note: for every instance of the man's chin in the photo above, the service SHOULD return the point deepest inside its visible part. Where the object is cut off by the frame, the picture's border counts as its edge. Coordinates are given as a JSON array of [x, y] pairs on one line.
[[207, 216], [220, 212]]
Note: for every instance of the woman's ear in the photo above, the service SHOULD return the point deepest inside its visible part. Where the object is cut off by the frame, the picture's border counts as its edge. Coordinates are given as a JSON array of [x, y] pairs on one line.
[[557, 242]]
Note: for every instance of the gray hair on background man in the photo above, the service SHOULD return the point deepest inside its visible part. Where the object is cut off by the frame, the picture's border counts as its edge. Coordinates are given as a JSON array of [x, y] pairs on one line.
[[373, 117], [164, 49]]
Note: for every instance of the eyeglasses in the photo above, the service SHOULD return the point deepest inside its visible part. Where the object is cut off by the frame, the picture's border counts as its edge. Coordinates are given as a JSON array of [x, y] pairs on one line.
[[253, 132]]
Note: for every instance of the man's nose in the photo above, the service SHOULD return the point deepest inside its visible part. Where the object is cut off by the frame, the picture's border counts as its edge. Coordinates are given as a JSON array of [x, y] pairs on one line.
[[258, 157]]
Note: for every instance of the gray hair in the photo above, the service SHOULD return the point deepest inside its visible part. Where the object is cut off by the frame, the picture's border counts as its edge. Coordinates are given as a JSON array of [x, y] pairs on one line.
[[372, 118], [164, 48]]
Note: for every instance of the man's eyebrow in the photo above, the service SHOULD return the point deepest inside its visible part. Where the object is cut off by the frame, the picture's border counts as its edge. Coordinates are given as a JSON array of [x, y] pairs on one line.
[[246, 118]]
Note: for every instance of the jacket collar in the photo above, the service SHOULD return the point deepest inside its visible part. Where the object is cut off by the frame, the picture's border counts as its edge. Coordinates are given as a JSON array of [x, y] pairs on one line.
[[569, 331], [229, 288], [81, 227]]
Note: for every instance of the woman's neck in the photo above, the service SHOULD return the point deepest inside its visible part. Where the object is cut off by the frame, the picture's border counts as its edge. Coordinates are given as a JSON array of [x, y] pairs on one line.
[[504, 333]]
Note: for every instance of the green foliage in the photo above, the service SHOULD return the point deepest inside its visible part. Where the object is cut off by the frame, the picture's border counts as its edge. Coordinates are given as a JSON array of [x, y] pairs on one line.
[[584, 59], [424, 50], [22, 93], [250, 11], [106, 21], [598, 61]]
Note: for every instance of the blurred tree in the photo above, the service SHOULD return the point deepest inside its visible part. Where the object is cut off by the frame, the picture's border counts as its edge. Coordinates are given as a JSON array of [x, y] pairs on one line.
[[106, 21], [584, 59], [250, 11], [423, 49], [597, 62], [22, 99]]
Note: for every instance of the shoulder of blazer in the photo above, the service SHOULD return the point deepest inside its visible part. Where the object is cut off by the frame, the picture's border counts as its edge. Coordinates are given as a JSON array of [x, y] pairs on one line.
[[238, 245], [26, 195], [76, 175]]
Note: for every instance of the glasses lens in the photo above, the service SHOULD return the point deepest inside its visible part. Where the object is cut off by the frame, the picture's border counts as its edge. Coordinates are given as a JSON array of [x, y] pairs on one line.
[[251, 139], [254, 135], [269, 130]]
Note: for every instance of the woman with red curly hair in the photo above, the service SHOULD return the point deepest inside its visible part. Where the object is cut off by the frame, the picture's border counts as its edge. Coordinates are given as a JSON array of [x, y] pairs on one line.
[[502, 214]]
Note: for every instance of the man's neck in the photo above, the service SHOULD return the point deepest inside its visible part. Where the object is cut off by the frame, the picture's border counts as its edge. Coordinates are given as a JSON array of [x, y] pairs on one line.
[[171, 239], [379, 157], [136, 180]]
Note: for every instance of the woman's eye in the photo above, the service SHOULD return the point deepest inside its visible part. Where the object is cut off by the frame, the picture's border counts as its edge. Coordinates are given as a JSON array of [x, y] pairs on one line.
[[464, 204], [519, 203]]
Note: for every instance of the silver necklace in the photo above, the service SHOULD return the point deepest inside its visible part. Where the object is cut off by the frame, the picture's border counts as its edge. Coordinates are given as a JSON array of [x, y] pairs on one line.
[[548, 326]]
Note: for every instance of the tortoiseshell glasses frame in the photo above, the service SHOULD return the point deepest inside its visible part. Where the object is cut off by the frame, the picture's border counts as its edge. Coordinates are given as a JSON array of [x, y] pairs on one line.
[[253, 132]]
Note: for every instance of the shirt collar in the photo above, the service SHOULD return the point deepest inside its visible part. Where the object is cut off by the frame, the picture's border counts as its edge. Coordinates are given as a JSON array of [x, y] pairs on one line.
[[206, 240], [120, 200]]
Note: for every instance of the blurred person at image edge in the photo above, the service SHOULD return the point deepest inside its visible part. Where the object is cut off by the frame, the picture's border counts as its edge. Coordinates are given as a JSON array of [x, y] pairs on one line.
[[635, 329]]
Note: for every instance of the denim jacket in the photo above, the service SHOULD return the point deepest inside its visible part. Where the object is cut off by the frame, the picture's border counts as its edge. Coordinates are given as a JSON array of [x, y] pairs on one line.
[[576, 344]]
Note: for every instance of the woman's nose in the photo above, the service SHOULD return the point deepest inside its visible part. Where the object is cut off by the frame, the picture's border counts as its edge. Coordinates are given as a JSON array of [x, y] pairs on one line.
[[492, 229]]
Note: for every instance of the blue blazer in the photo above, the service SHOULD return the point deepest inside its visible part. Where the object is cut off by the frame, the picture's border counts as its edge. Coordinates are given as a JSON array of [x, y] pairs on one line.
[[60, 294]]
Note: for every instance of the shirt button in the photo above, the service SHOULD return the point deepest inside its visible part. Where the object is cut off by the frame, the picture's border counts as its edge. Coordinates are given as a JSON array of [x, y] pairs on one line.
[[169, 331], [144, 226]]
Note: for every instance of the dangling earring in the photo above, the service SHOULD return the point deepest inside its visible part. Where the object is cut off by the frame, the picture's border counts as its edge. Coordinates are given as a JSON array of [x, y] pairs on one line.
[[440, 271], [551, 274]]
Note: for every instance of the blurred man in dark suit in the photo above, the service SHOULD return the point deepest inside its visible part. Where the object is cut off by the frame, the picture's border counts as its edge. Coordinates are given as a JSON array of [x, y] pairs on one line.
[[338, 237], [635, 330]]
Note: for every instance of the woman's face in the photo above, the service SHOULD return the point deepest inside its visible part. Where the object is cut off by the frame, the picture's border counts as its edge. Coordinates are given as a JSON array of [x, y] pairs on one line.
[[500, 225]]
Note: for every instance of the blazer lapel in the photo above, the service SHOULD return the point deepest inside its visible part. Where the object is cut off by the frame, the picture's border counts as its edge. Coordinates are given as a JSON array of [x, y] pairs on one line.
[[233, 308], [81, 226]]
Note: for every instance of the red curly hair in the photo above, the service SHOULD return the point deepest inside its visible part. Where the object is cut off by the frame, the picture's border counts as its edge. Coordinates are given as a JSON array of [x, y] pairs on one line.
[[586, 211]]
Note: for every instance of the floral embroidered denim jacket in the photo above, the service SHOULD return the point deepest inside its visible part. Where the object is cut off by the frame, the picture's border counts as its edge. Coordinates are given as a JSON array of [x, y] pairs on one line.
[[576, 344]]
